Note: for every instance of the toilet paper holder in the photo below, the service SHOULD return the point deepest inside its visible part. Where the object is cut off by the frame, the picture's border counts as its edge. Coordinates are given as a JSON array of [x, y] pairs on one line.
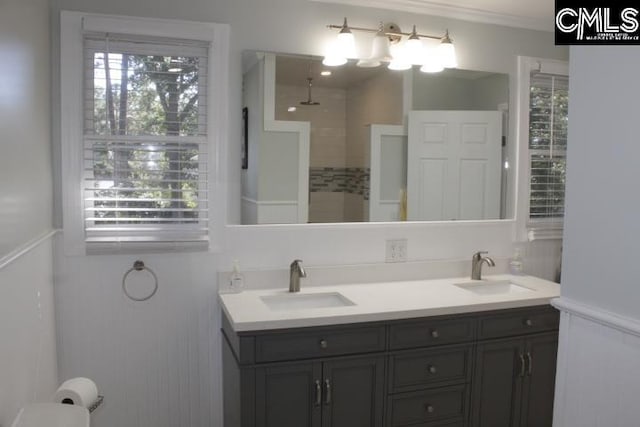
[[96, 404]]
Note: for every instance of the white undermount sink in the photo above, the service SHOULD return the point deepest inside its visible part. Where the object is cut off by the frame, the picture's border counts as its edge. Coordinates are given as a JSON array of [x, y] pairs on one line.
[[296, 301], [493, 287]]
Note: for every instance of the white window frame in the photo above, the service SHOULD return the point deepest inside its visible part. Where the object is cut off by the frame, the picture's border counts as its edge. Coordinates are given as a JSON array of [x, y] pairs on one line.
[[73, 25], [542, 228]]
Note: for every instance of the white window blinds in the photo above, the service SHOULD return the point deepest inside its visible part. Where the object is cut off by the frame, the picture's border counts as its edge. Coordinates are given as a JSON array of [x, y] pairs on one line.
[[145, 140], [548, 118]]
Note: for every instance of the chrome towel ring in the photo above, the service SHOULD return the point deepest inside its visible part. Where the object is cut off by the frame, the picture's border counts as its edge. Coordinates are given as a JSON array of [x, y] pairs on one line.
[[139, 266]]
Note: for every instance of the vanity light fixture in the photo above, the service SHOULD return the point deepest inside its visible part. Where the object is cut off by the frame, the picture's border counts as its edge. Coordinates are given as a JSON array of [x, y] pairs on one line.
[[413, 46], [344, 47], [447, 52], [380, 50], [432, 64], [390, 47]]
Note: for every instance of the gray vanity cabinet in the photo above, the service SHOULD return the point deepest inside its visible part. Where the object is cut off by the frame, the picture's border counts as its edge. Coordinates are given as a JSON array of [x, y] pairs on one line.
[[353, 393], [490, 369], [498, 384], [514, 382], [346, 392], [539, 384], [288, 395], [310, 377]]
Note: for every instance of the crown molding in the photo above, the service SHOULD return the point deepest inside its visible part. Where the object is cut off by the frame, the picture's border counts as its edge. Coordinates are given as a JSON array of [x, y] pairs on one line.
[[426, 7]]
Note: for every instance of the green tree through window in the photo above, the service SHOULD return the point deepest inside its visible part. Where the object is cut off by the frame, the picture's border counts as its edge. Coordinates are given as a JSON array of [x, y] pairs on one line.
[[548, 122], [144, 124]]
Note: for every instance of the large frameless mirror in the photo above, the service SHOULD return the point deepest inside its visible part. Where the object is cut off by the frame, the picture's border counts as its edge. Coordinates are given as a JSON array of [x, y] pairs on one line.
[[350, 144]]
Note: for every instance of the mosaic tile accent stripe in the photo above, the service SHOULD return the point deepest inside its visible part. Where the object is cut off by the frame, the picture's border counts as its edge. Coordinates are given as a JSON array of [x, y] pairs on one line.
[[340, 180]]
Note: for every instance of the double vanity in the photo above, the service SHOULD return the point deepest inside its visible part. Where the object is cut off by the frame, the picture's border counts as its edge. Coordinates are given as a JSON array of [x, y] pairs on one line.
[[439, 352]]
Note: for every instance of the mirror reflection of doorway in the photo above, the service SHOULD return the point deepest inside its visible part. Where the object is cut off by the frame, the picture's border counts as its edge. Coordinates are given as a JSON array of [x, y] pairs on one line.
[[453, 168]]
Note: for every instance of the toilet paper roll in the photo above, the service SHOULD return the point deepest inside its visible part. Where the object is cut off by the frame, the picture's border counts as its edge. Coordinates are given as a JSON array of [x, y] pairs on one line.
[[77, 391]]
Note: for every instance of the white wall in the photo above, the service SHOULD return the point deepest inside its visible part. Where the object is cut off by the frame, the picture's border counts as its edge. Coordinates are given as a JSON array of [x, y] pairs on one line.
[[600, 326], [602, 228], [95, 339], [28, 371], [25, 163]]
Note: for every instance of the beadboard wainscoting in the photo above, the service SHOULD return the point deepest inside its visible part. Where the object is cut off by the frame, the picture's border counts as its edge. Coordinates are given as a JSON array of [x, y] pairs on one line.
[[598, 380], [156, 362], [28, 371]]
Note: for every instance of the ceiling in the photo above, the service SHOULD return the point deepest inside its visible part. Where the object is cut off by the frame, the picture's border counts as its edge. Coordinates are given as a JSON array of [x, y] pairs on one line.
[[532, 14], [293, 70]]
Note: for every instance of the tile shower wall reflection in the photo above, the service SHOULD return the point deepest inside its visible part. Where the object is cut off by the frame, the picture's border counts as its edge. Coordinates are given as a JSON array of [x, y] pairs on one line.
[[328, 120], [339, 155], [328, 183], [337, 194]]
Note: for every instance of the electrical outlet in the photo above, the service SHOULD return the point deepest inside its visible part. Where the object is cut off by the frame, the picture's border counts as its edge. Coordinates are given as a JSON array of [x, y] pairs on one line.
[[396, 250]]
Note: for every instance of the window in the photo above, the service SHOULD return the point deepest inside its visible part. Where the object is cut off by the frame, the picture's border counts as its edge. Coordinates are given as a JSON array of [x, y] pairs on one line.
[[145, 140], [142, 111], [543, 99], [548, 118]]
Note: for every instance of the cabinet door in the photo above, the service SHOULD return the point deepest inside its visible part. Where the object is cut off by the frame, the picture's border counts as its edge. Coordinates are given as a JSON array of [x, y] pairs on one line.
[[353, 392], [497, 386], [289, 396], [539, 383]]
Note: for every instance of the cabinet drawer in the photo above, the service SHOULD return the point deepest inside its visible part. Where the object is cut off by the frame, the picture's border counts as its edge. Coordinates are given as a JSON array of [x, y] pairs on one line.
[[448, 403], [431, 332], [518, 322], [431, 367], [319, 343]]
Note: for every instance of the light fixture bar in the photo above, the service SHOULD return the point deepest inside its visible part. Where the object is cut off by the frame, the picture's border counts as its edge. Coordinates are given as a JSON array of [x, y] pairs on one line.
[[388, 33], [407, 49]]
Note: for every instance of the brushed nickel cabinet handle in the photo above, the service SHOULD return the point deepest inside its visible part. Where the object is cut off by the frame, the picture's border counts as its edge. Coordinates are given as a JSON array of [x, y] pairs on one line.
[[435, 333], [528, 322], [327, 391], [432, 369], [324, 344], [429, 408], [318, 393], [522, 365], [530, 364]]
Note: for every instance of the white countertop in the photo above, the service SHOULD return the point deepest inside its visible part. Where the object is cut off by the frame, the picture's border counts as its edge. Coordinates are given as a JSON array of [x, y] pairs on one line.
[[382, 301]]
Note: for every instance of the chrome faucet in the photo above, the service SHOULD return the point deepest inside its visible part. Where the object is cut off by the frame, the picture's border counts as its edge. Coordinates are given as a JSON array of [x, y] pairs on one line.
[[295, 273], [476, 264]]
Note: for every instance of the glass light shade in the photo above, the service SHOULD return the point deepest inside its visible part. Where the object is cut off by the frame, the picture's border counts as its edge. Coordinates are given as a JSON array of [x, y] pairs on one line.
[[400, 61], [432, 62], [414, 51], [380, 50], [368, 63], [334, 60], [346, 45], [432, 67], [447, 54], [399, 65]]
